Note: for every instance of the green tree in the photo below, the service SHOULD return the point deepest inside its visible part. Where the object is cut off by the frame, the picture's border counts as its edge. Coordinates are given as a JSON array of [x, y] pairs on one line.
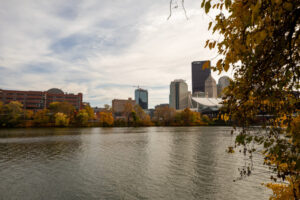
[[260, 43]]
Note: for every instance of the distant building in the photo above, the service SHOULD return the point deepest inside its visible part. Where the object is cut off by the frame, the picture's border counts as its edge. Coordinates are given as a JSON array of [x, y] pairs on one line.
[[162, 105], [141, 98], [37, 100], [210, 87], [178, 94], [119, 106], [199, 75], [222, 83]]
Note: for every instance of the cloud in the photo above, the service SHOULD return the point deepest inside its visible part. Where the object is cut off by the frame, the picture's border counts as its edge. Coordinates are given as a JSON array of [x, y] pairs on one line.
[[100, 48]]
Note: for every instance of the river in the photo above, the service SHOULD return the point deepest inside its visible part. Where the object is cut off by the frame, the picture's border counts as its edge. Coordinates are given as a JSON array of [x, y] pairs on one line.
[[125, 163]]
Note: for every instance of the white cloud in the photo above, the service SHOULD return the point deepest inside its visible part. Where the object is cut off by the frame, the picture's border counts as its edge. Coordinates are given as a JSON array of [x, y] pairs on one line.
[[100, 48]]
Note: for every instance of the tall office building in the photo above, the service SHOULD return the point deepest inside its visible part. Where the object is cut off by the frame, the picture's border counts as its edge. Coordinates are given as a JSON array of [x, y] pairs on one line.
[[199, 76], [210, 87], [222, 83], [141, 98], [178, 94]]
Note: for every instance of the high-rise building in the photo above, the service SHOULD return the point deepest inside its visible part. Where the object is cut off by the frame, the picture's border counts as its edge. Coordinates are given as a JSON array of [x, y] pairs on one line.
[[222, 83], [178, 94], [141, 98], [37, 100], [210, 87], [199, 75]]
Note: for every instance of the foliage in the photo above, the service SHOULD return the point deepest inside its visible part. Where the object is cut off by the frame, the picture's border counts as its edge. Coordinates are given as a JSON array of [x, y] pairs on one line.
[[260, 43], [106, 119], [188, 118], [28, 114], [82, 118], [61, 119], [12, 114], [164, 115], [62, 107], [140, 117], [89, 110], [41, 118]]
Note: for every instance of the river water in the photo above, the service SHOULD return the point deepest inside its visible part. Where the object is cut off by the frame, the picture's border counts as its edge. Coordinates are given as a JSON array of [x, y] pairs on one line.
[[125, 163]]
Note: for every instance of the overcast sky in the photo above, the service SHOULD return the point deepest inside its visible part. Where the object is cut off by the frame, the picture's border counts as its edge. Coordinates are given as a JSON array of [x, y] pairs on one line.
[[101, 48]]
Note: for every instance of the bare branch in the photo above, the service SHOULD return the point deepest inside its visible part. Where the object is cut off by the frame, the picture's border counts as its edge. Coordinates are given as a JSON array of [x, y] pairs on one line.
[[171, 1]]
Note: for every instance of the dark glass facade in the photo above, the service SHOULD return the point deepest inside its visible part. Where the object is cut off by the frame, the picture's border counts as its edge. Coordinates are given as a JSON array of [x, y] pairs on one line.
[[141, 98], [199, 76], [177, 95]]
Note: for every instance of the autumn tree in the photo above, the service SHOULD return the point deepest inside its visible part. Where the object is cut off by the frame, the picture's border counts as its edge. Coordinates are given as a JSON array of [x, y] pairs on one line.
[[106, 119], [90, 111], [142, 118], [82, 117], [164, 115], [61, 119], [260, 43], [12, 114], [62, 107], [188, 118], [41, 117]]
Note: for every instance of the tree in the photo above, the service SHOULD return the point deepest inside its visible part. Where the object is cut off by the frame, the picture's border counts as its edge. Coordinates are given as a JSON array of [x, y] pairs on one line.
[[12, 114], [128, 111], [41, 118], [106, 119], [142, 119], [82, 117], [188, 118], [90, 111], [62, 107], [164, 115], [61, 119], [260, 43], [1, 114]]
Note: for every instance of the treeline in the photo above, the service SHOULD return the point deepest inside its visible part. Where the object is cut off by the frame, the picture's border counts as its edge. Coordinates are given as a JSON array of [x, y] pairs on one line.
[[63, 114]]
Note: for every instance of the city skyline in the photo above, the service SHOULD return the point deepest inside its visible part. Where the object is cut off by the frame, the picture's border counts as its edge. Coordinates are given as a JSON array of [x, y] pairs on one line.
[[88, 48]]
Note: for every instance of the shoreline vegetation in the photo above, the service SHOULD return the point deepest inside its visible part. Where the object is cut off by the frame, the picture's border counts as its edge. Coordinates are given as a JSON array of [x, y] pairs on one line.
[[63, 114]]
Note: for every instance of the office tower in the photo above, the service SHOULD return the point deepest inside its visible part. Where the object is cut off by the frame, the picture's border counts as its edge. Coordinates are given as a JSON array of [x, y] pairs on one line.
[[178, 94], [141, 98], [199, 75], [210, 87], [222, 83]]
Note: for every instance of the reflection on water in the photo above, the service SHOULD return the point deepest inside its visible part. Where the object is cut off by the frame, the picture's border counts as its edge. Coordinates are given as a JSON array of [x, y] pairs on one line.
[[124, 163]]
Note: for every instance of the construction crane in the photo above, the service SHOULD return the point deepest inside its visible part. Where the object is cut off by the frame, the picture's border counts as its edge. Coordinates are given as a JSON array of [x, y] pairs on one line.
[[138, 86]]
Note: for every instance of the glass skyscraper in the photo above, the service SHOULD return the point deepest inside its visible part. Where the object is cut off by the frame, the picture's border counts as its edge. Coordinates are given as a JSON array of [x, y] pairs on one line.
[[141, 98], [199, 75]]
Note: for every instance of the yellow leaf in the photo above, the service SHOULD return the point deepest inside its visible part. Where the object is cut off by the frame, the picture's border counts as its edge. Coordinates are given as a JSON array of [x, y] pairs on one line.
[[207, 41], [210, 23], [207, 6], [206, 65]]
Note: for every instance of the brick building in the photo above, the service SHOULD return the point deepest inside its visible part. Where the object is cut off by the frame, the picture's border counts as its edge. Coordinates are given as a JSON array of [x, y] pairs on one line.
[[118, 106], [37, 100]]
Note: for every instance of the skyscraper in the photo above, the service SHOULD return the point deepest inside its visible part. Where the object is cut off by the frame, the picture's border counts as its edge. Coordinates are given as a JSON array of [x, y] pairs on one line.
[[210, 87], [222, 83], [141, 98], [178, 94], [199, 76]]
